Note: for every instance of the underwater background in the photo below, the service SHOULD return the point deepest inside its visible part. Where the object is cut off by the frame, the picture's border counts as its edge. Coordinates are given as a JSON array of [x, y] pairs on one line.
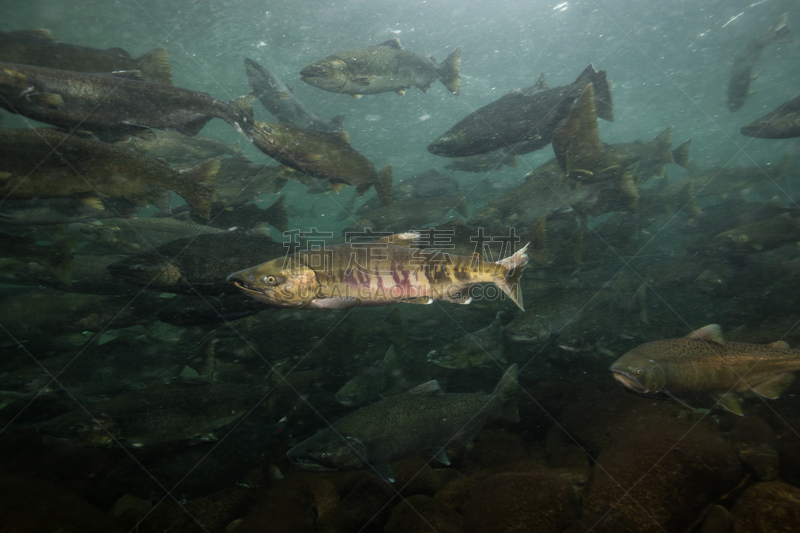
[[220, 386]]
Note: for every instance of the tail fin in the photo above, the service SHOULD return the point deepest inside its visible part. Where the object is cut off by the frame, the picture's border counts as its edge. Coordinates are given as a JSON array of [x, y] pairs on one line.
[[197, 186], [506, 391], [383, 185], [338, 120], [577, 144], [681, 154], [448, 71], [602, 91], [276, 215], [509, 283], [461, 204], [389, 362], [780, 32], [662, 146], [58, 260], [510, 160], [242, 117], [154, 66]]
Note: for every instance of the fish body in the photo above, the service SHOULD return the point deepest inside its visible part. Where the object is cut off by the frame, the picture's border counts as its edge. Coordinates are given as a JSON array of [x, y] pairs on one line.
[[156, 415], [381, 272], [583, 156], [482, 163], [703, 362], [410, 214], [278, 99], [753, 237], [48, 163], [423, 418], [521, 121], [546, 190], [39, 48], [367, 385], [326, 156], [428, 184], [239, 182], [743, 63], [782, 123], [56, 211], [174, 147], [115, 366], [199, 263], [135, 234], [481, 348], [382, 68], [56, 258], [116, 105]]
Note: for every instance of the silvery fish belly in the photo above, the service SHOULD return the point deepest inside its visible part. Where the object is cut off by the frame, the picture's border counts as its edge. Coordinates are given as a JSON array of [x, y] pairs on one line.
[[381, 272]]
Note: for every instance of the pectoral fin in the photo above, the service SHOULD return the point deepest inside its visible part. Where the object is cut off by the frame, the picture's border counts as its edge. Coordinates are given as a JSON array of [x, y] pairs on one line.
[[440, 454], [382, 471], [774, 387], [51, 100], [364, 81], [730, 402]]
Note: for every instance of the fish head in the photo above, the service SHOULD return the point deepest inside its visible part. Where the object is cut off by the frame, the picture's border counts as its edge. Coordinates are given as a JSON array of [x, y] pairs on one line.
[[351, 394], [280, 282], [154, 270], [96, 431], [529, 328], [450, 144], [330, 74], [638, 372], [445, 359], [270, 137], [327, 451]]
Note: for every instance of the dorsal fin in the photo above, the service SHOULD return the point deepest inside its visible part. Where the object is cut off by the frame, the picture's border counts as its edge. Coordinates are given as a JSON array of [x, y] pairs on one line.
[[401, 239], [39, 34], [430, 388], [341, 135], [781, 345], [394, 43], [709, 333]]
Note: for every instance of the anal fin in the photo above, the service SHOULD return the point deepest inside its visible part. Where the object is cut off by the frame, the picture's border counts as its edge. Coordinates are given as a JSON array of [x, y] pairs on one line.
[[440, 454], [774, 387], [730, 402]]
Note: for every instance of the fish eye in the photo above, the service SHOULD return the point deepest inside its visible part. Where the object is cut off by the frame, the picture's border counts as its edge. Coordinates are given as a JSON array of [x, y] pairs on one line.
[[270, 280], [139, 267], [639, 371]]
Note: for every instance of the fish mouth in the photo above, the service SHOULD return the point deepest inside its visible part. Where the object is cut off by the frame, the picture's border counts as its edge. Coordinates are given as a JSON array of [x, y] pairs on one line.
[[244, 286], [521, 338], [628, 381], [307, 464]]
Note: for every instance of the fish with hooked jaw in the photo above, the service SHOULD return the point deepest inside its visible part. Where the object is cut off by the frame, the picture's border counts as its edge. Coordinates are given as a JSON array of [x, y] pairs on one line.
[[375, 273], [703, 362]]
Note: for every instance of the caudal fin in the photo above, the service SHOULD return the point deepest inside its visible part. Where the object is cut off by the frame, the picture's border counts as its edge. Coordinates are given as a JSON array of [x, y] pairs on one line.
[[448, 71], [276, 215], [58, 259], [506, 391], [197, 186], [662, 146], [602, 91], [681, 154], [780, 32], [383, 185], [509, 282], [154, 66]]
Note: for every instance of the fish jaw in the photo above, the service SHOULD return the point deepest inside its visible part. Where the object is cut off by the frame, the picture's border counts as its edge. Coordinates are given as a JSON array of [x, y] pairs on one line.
[[329, 75], [293, 287], [329, 451], [628, 381]]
